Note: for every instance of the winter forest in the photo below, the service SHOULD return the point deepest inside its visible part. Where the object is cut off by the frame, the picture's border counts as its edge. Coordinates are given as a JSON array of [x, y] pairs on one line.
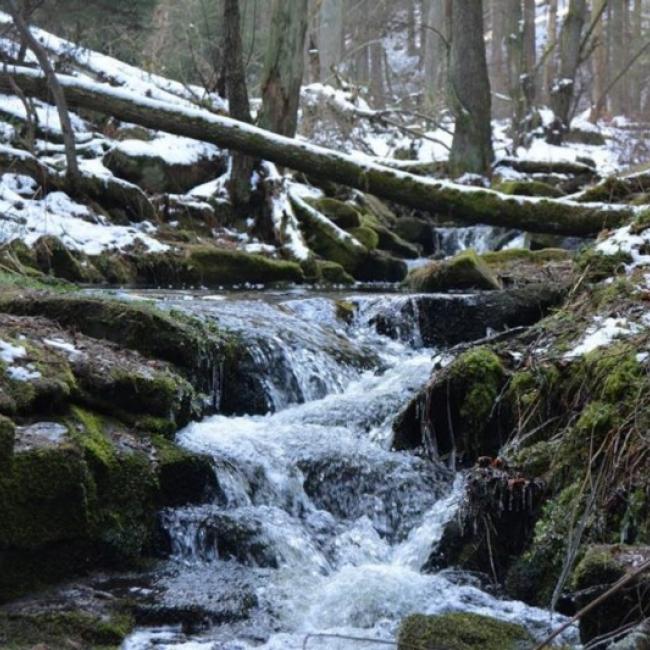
[[324, 324]]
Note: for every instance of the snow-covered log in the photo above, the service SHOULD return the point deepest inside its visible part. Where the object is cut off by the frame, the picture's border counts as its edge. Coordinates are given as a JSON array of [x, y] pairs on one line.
[[465, 205]]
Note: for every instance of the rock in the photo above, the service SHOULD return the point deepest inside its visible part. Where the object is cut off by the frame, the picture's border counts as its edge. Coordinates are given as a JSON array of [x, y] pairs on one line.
[[585, 136], [392, 243], [7, 437], [521, 267], [52, 257], [417, 231], [601, 567], [333, 273], [155, 175], [366, 236], [461, 631], [210, 266], [456, 410], [343, 214], [377, 266], [495, 522], [465, 271], [638, 639]]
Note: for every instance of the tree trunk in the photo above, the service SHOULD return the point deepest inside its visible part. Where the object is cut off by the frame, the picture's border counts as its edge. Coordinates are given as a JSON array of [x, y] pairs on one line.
[[620, 49], [283, 67], [457, 202], [435, 56], [599, 63], [637, 78], [377, 74], [72, 166], [530, 50], [550, 69], [498, 69], [515, 40], [563, 90], [329, 38], [239, 184], [411, 28], [469, 91]]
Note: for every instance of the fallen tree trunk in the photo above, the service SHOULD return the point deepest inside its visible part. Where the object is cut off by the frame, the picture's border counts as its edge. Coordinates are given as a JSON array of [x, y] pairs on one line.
[[466, 205]]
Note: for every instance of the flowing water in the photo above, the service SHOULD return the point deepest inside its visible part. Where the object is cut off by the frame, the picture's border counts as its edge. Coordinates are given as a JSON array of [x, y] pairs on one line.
[[318, 528]]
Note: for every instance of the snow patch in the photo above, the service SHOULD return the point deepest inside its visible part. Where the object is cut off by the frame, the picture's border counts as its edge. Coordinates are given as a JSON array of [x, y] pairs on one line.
[[602, 333]]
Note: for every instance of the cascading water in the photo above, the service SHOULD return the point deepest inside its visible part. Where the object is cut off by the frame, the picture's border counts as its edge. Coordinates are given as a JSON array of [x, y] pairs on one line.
[[318, 528]]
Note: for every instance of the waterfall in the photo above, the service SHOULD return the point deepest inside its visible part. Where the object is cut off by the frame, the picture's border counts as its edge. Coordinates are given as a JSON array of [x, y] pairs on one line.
[[319, 528]]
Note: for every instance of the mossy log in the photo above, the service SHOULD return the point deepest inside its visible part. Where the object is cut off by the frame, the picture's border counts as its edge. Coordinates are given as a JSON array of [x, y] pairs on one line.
[[459, 203]]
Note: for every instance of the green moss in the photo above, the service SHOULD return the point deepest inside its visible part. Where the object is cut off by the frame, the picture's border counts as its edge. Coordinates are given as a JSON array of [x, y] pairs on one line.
[[611, 190], [7, 437], [528, 188], [344, 215], [52, 257], [616, 372], [464, 271], [333, 273], [366, 236], [597, 266], [505, 257], [460, 631], [64, 629], [641, 222], [597, 567], [345, 311]]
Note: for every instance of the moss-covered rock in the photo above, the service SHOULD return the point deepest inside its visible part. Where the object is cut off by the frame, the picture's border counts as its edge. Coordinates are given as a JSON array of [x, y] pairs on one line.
[[366, 236], [63, 629], [214, 267], [391, 242], [598, 266], [333, 273], [344, 215], [52, 257], [464, 271], [416, 231], [460, 631], [7, 438]]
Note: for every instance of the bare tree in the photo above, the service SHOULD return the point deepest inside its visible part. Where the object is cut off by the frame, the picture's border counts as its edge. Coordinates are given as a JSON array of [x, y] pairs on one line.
[[469, 91], [284, 67], [239, 184], [20, 22], [563, 89]]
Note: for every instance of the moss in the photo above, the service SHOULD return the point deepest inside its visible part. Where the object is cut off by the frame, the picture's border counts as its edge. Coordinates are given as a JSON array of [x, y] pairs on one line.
[[214, 267], [597, 266], [641, 222], [334, 273], [345, 311], [597, 567], [7, 437], [460, 631], [464, 271], [24, 631], [528, 188], [390, 241], [504, 257], [344, 215], [184, 477], [54, 258], [611, 190], [114, 268], [366, 236]]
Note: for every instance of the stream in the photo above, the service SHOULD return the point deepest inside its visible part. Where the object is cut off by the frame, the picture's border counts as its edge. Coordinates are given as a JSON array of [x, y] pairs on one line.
[[318, 530]]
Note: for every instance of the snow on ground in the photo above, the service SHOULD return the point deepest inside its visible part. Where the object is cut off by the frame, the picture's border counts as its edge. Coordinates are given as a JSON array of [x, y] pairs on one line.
[[74, 224], [173, 149], [624, 240], [9, 354], [601, 333]]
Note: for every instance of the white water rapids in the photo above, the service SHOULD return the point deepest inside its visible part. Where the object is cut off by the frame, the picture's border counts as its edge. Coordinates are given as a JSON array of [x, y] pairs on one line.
[[319, 528]]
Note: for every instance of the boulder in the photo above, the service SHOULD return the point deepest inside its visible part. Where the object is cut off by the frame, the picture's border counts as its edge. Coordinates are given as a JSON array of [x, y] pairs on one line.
[[464, 271], [343, 214], [461, 631]]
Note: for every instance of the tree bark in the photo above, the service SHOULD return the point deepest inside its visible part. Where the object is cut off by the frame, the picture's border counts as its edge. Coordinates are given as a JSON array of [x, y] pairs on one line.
[[563, 90], [550, 69], [284, 67], [329, 37], [457, 202], [72, 166], [469, 91], [239, 184], [435, 55], [599, 63], [620, 47]]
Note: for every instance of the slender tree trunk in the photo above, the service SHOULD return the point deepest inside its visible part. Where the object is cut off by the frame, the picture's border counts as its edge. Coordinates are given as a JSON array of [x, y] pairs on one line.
[[411, 28], [498, 67], [530, 50], [435, 57], [458, 202], [599, 64], [239, 184], [284, 67], [469, 91], [515, 39], [619, 55], [377, 91], [563, 90], [72, 166], [636, 78], [330, 34], [550, 69]]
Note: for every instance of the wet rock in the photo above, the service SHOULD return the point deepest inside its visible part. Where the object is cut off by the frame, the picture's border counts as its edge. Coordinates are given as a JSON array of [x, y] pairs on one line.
[[393, 243], [465, 271], [447, 319], [461, 631], [52, 257], [495, 522], [456, 414], [416, 231], [638, 639], [600, 568]]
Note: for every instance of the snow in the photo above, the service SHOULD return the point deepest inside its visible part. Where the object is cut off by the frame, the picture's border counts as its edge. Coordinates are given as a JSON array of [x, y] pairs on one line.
[[74, 224], [173, 149], [601, 333], [46, 115], [59, 344], [624, 240], [22, 185], [10, 353], [18, 373]]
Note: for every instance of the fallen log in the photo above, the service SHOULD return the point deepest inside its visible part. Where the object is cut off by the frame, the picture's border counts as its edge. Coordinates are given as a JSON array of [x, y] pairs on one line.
[[462, 204]]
